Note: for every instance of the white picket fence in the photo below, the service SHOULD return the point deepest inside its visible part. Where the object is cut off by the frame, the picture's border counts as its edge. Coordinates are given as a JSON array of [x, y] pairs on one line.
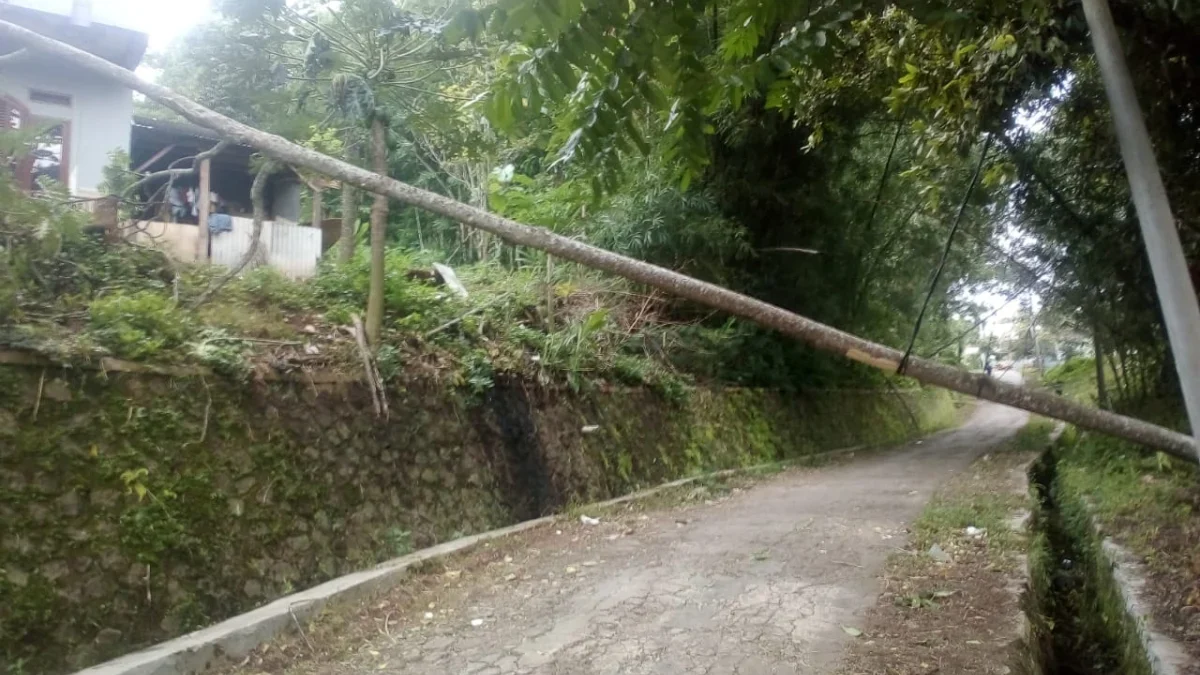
[[292, 249]]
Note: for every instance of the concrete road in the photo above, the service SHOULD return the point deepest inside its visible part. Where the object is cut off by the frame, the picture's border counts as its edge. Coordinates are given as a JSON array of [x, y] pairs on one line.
[[761, 582]]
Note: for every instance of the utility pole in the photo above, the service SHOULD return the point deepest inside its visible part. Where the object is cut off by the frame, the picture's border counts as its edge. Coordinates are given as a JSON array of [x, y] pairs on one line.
[[1171, 277]]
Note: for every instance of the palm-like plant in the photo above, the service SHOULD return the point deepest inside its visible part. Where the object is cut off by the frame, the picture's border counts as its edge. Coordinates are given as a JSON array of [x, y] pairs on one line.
[[373, 64]]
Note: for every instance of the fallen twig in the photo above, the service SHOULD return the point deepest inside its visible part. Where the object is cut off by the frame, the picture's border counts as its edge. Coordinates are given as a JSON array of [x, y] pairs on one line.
[[37, 404], [172, 173], [207, 409], [374, 381], [386, 627], [301, 630], [789, 249], [454, 322], [641, 312]]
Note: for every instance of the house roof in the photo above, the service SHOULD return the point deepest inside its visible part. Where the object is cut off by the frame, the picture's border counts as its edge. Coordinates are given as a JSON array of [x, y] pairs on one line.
[[168, 129], [149, 136], [121, 46]]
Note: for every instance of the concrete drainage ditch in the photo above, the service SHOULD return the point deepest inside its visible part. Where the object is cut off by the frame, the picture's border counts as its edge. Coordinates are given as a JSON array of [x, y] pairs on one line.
[[1084, 603]]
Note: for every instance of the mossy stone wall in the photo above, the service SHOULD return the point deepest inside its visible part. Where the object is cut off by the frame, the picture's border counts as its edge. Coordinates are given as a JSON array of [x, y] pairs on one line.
[[135, 508]]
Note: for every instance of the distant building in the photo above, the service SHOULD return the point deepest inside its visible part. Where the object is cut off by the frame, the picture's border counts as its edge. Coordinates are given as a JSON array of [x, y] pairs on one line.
[[83, 119], [86, 117]]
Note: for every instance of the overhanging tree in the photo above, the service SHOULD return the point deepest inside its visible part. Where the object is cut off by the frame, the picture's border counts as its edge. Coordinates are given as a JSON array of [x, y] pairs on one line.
[[818, 335]]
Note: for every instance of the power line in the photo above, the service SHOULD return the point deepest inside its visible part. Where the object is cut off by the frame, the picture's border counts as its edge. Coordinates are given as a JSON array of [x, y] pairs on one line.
[[937, 276]]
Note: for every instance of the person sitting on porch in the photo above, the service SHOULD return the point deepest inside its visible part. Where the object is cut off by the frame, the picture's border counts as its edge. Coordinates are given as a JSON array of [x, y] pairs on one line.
[[220, 221], [176, 200]]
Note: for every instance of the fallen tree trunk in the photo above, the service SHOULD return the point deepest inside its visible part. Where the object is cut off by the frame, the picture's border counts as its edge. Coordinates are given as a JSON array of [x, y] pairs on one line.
[[806, 330]]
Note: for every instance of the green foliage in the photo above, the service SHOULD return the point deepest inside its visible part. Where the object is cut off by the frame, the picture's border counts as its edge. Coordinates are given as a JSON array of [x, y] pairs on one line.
[[138, 325], [479, 375], [226, 354], [389, 361], [1071, 196], [767, 128], [37, 230], [1105, 486], [266, 286], [1134, 492], [412, 303], [227, 67], [607, 86], [397, 542], [117, 175], [572, 349], [1072, 369]]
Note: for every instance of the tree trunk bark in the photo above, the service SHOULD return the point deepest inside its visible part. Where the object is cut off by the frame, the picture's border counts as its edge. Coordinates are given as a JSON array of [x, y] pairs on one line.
[[1126, 375], [379, 218], [318, 208], [806, 330], [349, 223], [1118, 378], [1101, 386]]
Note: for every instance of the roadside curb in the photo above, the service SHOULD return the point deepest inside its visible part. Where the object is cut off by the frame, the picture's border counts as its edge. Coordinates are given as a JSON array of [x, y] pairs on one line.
[[239, 635], [1165, 655]]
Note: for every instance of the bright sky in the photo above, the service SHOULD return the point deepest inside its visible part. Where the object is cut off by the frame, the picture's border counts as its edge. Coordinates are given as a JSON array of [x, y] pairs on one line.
[[163, 20]]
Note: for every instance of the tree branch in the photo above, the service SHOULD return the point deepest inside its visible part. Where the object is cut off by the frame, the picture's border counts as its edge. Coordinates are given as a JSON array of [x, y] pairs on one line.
[[172, 173], [257, 198]]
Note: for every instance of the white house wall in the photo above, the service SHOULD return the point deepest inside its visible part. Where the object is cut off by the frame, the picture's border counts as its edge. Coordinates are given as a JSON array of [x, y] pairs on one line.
[[99, 114], [294, 250], [112, 12]]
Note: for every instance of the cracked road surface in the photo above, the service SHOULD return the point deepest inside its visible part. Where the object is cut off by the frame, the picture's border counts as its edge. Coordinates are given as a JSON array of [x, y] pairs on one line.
[[761, 581]]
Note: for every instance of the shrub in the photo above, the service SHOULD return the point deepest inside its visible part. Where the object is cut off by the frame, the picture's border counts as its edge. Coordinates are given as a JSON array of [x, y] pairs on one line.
[[137, 325], [343, 288], [267, 286]]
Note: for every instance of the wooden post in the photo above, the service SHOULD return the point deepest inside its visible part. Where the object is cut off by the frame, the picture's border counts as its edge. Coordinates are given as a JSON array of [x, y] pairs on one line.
[[203, 208]]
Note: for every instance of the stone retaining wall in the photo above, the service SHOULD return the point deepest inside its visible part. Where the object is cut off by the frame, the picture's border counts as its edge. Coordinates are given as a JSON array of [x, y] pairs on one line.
[[134, 508]]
